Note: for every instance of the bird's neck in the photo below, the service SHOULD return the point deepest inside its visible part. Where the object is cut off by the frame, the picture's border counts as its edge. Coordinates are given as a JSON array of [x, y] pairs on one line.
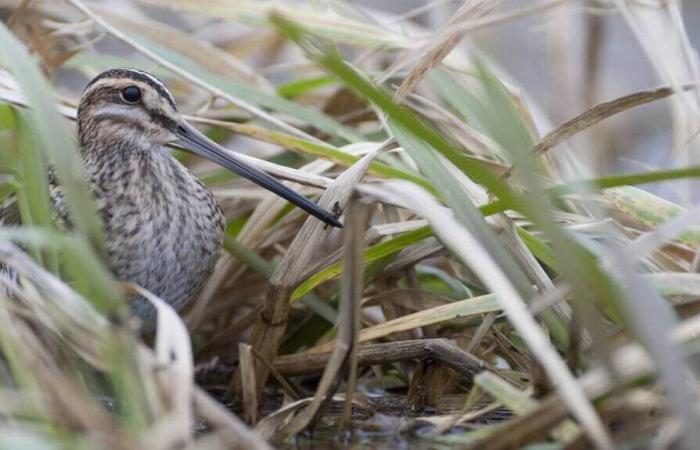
[[115, 164]]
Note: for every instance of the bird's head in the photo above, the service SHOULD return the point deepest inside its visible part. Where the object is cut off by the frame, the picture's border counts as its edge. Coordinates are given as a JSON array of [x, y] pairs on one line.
[[131, 109], [130, 106]]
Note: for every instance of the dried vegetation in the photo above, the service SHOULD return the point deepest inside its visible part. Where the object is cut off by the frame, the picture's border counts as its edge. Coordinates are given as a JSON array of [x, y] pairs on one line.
[[490, 288]]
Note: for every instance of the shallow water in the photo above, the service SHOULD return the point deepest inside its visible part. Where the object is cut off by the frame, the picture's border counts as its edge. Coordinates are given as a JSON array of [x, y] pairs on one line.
[[392, 425]]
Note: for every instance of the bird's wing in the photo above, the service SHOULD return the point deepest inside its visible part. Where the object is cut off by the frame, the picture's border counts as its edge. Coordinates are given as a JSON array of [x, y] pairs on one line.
[[10, 215], [9, 208], [9, 212]]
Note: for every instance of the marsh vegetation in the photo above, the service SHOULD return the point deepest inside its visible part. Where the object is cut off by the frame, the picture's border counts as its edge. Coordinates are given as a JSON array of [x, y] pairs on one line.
[[499, 281]]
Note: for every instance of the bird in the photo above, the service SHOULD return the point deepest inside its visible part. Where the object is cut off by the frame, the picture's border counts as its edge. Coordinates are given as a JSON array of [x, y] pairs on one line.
[[163, 227]]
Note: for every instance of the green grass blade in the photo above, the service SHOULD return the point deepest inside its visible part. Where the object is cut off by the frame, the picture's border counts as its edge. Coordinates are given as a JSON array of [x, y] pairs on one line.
[[51, 136], [303, 86], [495, 115], [625, 180], [538, 248], [53, 144], [458, 200], [33, 199], [373, 253]]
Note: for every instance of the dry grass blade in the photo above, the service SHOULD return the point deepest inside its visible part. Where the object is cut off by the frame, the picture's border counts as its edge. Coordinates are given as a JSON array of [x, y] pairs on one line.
[[254, 12], [72, 318], [209, 56], [284, 384], [63, 316], [502, 391], [175, 373], [269, 329], [649, 311], [675, 283], [498, 19], [662, 35], [469, 18], [16, 98], [248, 385], [648, 242], [596, 114], [672, 364], [269, 426], [521, 402], [351, 288], [442, 46], [461, 309], [266, 213], [66, 401], [344, 356], [644, 210]]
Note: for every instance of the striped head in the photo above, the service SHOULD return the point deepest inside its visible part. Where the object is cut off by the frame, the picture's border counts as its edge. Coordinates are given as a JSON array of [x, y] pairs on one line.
[[127, 105], [132, 112]]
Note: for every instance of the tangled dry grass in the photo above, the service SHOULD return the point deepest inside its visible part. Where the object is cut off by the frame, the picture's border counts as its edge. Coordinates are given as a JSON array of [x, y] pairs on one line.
[[491, 287]]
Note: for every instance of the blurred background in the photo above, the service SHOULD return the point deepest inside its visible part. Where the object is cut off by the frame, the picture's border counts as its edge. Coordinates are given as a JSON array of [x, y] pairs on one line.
[[564, 59], [568, 60]]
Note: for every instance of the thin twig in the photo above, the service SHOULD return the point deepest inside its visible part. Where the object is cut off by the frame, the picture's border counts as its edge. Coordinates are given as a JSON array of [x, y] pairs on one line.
[[440, 350]]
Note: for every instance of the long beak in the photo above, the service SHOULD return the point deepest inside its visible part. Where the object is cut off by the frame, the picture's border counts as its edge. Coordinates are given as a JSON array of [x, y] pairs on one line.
[[201, 145]]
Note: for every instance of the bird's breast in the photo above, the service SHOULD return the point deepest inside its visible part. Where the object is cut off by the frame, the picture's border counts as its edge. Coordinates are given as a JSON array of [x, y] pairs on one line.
[[164, 229]]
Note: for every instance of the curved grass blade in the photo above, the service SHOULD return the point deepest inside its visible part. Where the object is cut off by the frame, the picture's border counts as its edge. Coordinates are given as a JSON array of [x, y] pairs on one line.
[[457, 310], [303, 85], [54, 145], [51, 135]]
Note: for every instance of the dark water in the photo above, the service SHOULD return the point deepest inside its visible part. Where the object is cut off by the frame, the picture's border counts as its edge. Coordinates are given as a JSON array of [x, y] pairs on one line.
[[392, 425], [389, 435], [380, 432]]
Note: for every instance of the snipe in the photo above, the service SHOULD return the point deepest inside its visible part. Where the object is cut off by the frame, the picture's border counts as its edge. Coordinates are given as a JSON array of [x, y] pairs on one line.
[[164, 229]]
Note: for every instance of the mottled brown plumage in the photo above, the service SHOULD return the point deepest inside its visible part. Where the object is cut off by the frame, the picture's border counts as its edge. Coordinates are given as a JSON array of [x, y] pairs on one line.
[[164, 229]]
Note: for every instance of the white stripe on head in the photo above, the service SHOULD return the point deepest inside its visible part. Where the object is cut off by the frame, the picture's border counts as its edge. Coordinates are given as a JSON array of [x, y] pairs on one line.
[[116, 110], [136, 75]]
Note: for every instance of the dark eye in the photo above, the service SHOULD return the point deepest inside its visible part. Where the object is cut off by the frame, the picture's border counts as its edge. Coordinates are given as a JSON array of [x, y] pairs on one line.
[[131, 94]]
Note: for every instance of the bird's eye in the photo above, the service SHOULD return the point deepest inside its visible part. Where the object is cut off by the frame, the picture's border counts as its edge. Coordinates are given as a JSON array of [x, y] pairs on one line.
[[131, 94]]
